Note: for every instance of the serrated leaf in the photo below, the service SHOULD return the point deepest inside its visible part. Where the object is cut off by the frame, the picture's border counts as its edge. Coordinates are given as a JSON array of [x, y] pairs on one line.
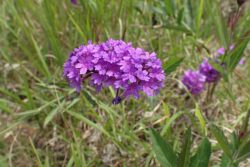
[[163, 151], [202, 156], [222, 140], [184, 157], [172, 64]]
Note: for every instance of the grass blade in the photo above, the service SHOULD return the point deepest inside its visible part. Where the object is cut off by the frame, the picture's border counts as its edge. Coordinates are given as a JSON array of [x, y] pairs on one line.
[[163, 150], [184, 157], [222, 140]]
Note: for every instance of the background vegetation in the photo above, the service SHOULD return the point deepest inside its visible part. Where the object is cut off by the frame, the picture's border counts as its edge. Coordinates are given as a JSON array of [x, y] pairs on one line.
[[43, 122]]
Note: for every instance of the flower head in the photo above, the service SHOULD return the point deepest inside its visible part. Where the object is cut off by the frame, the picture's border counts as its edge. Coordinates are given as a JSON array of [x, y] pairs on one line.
[[212, 75], [194, 81], [117, 64], [73, 2]]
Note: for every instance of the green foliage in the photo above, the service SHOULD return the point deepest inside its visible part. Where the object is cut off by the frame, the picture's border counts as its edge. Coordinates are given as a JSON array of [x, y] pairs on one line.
[[163, 150], [184, 156], [45, 123], [233, 58], [202, 156], [235, 151], [184, 159], [172, 64], [222, 140]]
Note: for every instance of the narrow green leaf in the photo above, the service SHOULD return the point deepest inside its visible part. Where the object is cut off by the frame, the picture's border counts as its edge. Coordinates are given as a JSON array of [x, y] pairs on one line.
[[221, 28], [172, 64], [39, 162], [199, 15], [201, 119], [4, 105], [244, 148], [170, 121], [202, 156], [189, 14], [170, 7], [222, 140], [78, 27], [234, 141], [50, 116], [163, 150], [41, 58], [180, 16], [233, 58], [184, 157], [181, 28], [225, 161], [89, 122]]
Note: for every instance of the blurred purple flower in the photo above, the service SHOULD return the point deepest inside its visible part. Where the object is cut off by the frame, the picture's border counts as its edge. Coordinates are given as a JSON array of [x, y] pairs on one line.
[[221, 51], [212, 75], [74, 2], [194, 81], [242, 61], [117, 64]]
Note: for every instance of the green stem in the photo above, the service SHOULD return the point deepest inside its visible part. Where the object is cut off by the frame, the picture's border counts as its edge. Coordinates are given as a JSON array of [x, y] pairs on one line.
[[207, 94], [212, 91]]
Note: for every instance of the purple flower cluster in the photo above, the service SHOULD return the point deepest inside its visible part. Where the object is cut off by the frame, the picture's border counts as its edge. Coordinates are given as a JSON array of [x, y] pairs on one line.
[[117, 64], [211, 74], [194, 81]]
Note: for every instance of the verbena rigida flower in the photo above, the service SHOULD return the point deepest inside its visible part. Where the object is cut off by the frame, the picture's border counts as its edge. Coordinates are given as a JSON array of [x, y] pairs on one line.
[[74, 2], [212, 75], [194, 81], [117, 64]]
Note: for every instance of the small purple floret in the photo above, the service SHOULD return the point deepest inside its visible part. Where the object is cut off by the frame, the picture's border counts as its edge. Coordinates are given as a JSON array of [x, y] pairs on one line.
[[212, 75], [194, 81], [221, 51]]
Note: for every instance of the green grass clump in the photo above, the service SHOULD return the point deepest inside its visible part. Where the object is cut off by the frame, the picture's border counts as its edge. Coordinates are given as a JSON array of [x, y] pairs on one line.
[[43, 122]]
